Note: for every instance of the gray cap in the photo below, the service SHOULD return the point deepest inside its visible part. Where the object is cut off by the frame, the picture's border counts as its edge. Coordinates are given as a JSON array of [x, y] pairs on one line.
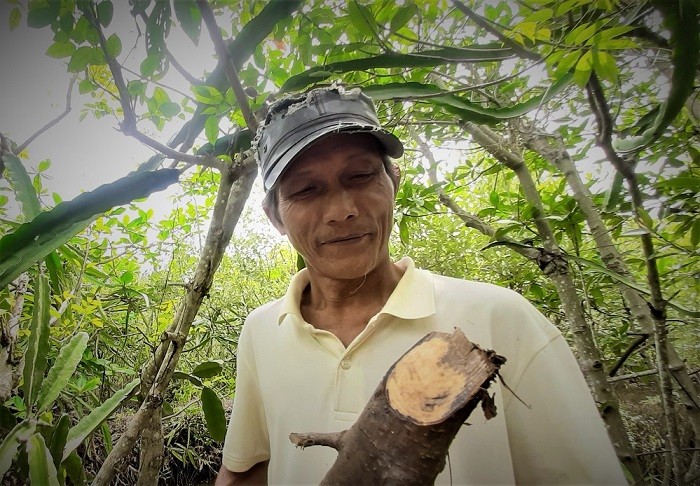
[[294, 123]]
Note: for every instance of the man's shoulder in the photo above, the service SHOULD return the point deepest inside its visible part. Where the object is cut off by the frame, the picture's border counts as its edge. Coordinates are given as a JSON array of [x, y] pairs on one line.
[[483, 292], [266, 314]]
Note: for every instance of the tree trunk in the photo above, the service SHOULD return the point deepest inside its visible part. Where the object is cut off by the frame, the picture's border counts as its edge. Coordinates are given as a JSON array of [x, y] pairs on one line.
[[555, 266], [420, 405], [552, 149], [152, 451], [9, 371], [233, 193]]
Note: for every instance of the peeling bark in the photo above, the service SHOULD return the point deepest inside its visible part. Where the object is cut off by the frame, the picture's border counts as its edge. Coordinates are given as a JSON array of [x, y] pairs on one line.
[[405, 430]]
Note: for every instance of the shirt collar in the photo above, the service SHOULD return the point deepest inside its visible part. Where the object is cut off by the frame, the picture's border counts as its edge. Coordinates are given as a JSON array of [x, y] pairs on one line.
[[413, 297]]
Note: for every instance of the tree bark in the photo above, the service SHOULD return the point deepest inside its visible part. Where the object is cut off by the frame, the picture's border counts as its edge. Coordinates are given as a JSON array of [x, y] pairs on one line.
[[9, 370], [152, 452], [404, 432]]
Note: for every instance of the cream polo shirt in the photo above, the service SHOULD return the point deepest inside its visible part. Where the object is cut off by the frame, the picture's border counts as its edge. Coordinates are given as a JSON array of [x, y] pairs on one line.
[[293, 377]]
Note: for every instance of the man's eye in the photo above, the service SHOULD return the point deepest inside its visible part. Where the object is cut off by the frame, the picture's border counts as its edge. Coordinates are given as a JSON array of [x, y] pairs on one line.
[[304, 191]]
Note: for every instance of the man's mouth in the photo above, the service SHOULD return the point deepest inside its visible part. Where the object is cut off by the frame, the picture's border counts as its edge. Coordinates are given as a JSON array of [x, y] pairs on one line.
[[344, 238]]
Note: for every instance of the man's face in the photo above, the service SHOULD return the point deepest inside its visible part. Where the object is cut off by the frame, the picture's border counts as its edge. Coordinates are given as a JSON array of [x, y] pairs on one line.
[[336, 205]]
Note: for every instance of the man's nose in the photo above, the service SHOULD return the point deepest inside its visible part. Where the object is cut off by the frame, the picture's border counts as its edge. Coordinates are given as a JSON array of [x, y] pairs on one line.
[[340, 206]]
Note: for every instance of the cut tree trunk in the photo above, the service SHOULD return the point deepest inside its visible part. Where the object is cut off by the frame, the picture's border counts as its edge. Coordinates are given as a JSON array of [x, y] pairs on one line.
[[404, 432]]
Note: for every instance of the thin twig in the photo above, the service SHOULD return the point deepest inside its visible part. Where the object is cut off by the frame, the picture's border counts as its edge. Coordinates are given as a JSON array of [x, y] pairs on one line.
[[52, 122], [183, 72]]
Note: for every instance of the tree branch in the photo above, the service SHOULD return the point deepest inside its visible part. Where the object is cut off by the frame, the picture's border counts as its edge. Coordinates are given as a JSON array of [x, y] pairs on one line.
[[230, 70], [128, 125], [183, 72], [484, 24], [52, 122]]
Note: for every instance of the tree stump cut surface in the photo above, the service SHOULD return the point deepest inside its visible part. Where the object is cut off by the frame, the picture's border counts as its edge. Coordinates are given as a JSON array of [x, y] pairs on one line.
[[404, 432]]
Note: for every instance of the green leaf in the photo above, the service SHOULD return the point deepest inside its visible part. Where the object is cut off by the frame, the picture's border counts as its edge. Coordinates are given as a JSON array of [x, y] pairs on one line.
[[169, 108], [74, 469], [92, 421], [85, 86], [362, 19], [214, 414], [41, 465], [58, 438], [644, 218], [685, 39], [208, 369], [427, 58], [242, 47], [583, 69], [211, 129], [136, 88], [568, 61], [190, 18], [22, 186], [38, 345], [404, 234], [44, 165], [695, 233], [402, 17], [605, 66], [59, 50], [614, 195], [81, 58], [32, 241], [15, 18], [42, 15], [181, 375], [61, 371], [105, 11], [10, 444], [114, 46]]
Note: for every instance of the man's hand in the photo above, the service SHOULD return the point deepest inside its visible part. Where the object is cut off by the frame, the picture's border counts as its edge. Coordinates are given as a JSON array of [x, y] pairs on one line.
[[255, 475]]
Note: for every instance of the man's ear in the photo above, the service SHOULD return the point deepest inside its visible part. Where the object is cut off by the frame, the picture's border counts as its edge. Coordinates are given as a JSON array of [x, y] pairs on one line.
[[273, 215], [395, 175]]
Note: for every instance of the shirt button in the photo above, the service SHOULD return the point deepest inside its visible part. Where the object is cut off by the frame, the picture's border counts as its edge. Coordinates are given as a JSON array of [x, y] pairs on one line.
[[345, 364]]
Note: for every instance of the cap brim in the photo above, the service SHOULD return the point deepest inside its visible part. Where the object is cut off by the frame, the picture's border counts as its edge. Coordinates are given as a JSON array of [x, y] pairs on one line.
[[303, 140]]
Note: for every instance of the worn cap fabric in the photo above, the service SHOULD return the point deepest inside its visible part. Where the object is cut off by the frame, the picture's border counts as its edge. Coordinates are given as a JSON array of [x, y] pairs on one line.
[[294, 123]]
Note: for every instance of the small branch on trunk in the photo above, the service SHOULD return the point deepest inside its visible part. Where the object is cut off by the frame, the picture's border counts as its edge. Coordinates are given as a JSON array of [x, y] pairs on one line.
[[638, 341], [641, 374], [53, 122], [309, 439]]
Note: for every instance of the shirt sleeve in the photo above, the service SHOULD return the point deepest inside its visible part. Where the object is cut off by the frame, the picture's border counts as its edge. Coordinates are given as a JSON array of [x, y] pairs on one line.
[[561, 437], [247, 441]]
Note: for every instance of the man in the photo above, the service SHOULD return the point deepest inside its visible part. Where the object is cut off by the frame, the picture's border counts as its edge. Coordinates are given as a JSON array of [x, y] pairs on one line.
[[310, 361]]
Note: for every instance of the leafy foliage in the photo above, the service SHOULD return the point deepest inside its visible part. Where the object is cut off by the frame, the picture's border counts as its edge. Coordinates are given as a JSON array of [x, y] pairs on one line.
[[108, 275]]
